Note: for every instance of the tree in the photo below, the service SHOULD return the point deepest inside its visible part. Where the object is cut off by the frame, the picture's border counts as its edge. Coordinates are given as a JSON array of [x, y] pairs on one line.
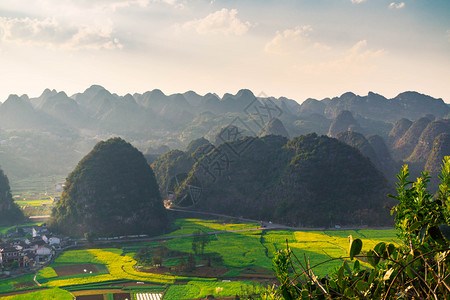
[[190, 262], [90, 236], [419, 268], [143, 256], [199, 242], [181, 266], [157, 261]]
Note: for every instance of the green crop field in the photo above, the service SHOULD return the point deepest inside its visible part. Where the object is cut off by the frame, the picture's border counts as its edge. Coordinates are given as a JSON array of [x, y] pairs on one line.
[[256, 248], [42, 202], [189, 226], [42, 295], [200, 289], [4, 230], [244, 255], [37, 186], [11, 284]]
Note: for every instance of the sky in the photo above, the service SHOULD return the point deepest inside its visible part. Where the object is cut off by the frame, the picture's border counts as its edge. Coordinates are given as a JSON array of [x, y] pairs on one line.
[[297, 49]]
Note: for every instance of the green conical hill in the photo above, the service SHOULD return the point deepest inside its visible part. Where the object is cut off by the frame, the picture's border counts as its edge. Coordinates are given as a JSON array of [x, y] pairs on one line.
[[112, 191]]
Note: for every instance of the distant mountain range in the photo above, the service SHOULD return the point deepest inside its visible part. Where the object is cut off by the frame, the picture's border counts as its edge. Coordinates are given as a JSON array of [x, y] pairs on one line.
[[97, 108], [49, 134]]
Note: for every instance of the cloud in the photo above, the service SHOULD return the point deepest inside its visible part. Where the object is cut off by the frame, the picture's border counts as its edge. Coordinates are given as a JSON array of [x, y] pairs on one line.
[[397, 5], [358, 59], [358, 1], [292, 41], [117, 4], [114, 5], [51, 33], [223, 21]]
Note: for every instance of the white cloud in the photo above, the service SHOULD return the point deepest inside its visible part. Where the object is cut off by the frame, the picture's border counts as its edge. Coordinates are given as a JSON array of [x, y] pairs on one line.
[[357, 60], [223, 21], [358, 1], [114, 5], [292, 41], [51, 33], [397, 5], [117, 4]]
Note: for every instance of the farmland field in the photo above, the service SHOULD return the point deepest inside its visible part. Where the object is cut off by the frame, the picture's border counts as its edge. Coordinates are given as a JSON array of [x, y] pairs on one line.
[[4, 230], [189, 226], [233, 263]]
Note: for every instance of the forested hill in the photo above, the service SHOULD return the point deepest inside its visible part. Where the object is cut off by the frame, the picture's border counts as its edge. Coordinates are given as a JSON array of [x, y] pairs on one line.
[[10, 212], [112, 191], [308, 181]]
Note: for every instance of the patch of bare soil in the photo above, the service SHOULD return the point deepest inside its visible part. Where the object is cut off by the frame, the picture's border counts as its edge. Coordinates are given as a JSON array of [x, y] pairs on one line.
[[159, 270], [208, 271], [122, 296], [22, 285], [90, 297], [134, 283], [95, 292], [75, 269]]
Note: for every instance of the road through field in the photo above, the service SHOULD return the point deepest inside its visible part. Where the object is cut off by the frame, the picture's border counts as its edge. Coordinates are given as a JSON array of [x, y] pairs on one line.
[[265, 225]]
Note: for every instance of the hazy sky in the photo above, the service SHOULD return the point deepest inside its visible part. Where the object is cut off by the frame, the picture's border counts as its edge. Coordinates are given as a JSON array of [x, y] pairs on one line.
[[297, 49]]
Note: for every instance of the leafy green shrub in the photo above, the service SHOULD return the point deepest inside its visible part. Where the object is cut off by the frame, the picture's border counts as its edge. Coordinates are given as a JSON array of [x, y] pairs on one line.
[[417, 268]]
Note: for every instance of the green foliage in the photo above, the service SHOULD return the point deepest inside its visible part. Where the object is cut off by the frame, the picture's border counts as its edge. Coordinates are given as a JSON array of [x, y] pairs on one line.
[[157, 261], [169, 165], [199, 241], [417, 268], [355, 247], [144, 256], [201, 289], [90, 236]]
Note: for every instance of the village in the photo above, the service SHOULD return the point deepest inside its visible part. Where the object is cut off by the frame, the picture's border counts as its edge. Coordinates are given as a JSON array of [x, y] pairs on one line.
[[26, 249]]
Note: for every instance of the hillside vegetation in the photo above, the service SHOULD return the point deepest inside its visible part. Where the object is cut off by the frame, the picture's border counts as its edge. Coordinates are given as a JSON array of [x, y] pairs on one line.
[[308, 181], [10, 212], [111, 191], [415, 268]]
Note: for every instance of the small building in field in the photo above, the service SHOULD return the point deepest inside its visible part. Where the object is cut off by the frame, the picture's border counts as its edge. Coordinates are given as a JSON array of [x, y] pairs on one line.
[[54, 240]]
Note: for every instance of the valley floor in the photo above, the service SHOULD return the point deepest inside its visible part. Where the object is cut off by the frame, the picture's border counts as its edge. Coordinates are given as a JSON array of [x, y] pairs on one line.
[[237, 260]]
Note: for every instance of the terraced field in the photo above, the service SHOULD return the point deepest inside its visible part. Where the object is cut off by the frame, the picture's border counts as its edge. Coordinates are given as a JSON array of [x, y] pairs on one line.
[[244, 266]]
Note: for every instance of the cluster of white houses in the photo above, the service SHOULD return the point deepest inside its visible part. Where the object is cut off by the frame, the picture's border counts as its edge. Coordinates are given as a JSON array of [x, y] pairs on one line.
[[38, 247]]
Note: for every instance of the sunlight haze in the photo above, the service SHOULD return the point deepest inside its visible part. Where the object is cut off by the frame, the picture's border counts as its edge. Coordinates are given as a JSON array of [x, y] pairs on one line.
[[296, 49]]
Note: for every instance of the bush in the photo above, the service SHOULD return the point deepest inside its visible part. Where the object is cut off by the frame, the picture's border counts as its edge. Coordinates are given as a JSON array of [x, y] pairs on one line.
[[417, 268]]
